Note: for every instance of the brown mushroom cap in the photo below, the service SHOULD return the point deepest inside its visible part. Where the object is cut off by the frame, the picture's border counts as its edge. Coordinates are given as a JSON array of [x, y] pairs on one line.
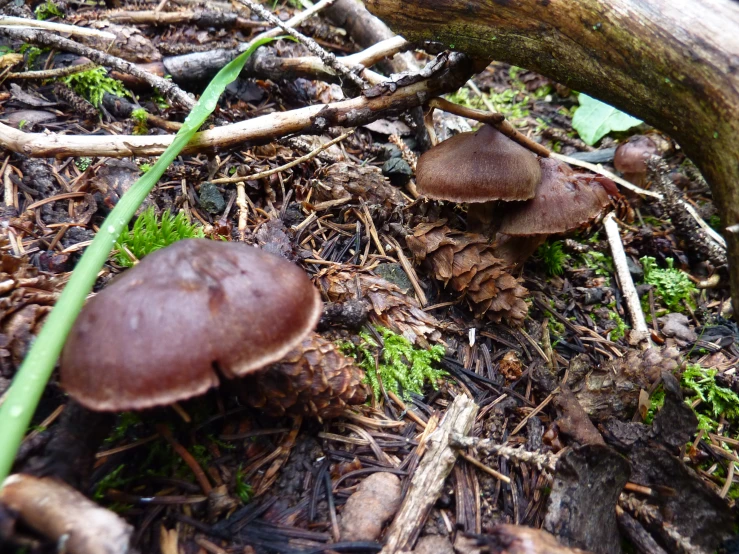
[[563, 202], [479, 166], [631, 156], [159, 331]]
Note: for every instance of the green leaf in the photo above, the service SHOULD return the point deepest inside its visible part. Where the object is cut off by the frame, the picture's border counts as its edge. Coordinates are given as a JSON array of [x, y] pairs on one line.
[[593, 120], [30, 380]]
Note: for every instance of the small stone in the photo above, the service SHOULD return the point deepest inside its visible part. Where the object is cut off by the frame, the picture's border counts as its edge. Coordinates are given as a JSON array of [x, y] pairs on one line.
[[373, 504], [635, 269], [677, 326], [398, 171], [433, 544], [390, 151], [395, 274], [211, 199]]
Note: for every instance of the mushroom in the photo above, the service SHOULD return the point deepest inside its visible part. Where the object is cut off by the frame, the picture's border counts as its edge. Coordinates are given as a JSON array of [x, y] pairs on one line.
[[564, 201], [631, 158], [478, 168], [166, 329]]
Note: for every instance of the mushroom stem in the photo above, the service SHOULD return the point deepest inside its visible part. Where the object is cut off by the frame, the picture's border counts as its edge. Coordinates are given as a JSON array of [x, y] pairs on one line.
[[516, 250], [481, 218], [497, 120]]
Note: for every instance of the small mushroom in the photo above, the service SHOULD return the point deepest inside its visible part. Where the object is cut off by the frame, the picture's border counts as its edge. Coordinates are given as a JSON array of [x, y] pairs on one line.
[[631, 158], [166, 329], [564, 201], [478, 168]]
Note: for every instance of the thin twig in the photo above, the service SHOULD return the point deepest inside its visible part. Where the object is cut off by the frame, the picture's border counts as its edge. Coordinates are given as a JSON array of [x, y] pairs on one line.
[[497, 120], [165, 86], [638, 322], [9, 21], [53, 73], [624, 183], [326, 57], [294, 21], [444, 76], [300, 160]]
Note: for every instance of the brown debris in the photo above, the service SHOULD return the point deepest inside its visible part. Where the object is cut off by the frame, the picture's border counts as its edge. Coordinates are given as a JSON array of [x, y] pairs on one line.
[[467, 261], [26, 296], [130, 44], [78, 104], [513, 539], [58, 512], [345, 180], [367, 510], [573, 421], [389, 307], [314, 379], [613, 390]]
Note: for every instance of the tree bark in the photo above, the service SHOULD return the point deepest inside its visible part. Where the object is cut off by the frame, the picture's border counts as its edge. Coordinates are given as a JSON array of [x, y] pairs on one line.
[[672, 63]]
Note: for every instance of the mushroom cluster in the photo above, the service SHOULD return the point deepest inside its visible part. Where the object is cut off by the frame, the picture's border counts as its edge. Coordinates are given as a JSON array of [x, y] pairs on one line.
[[169, 328], [513, 196]]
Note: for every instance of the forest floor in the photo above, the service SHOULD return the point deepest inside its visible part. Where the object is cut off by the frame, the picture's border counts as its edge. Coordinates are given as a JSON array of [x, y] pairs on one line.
[[572, 377]]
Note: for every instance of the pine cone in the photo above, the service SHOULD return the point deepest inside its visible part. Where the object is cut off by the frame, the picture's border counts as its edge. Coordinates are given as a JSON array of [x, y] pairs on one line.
[[389, 307], [315, 379], [467, 262]]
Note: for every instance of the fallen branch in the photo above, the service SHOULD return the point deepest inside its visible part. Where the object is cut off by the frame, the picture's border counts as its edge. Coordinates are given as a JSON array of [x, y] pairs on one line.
[[326, 57], [200, 18], [428, 480], [8, 21], [444, 74], [165, 86], [638, 322], [668, 64]]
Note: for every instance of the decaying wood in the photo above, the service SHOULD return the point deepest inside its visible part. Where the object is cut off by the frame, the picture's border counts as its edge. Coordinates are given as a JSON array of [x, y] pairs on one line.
[[63, 514], [430, 475], [671, 64], [441, 76]]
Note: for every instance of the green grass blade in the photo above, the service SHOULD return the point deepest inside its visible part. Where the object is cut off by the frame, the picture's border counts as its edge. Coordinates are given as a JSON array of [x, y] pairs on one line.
[[29, 383]]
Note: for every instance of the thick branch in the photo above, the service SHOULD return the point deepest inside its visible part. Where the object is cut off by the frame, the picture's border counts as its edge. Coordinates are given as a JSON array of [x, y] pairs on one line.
[[441, 76], [673, 64]]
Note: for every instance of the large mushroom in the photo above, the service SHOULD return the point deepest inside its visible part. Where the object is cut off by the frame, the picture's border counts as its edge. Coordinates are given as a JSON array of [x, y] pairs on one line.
[[564, 201], [478, 168], [167, 329]]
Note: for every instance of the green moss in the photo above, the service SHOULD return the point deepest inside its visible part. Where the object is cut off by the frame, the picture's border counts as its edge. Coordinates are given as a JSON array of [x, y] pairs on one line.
[[150, 233], [139, 116], [672, 285], [402, 368], [716, 402], [93, 84], [82, 163], [31, 53], [112, 480], [47, 10], [621, 326], [504, 102], [126, 421], [600, 263], [552, 256], [243, 490]]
